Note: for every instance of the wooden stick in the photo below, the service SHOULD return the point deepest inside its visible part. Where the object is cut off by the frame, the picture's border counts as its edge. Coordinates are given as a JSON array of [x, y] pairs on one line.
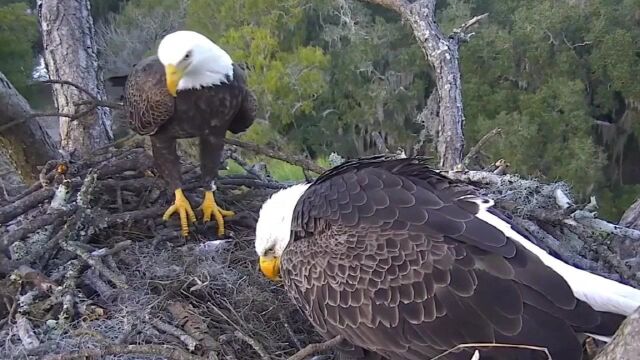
[[168, 352], [314, 348]]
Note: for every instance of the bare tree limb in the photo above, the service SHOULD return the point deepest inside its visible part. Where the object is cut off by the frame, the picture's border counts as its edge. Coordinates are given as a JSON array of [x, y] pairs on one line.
[[461, 31], [291, 159], [475, 150]]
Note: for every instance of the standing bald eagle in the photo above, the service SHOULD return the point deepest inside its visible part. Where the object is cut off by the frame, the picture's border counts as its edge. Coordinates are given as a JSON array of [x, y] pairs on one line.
[[405, 263], [190, 89]]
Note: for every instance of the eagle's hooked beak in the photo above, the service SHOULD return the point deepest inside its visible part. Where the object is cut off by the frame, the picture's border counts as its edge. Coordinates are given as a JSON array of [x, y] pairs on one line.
[[173, 75], [270, 267]]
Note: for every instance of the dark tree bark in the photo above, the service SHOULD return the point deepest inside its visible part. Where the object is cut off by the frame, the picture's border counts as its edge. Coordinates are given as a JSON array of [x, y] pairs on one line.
[[442, 53], [26, 143], [70, 54]]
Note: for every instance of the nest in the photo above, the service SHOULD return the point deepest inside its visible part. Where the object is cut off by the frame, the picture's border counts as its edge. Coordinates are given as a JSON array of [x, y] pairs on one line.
[[93, 270]]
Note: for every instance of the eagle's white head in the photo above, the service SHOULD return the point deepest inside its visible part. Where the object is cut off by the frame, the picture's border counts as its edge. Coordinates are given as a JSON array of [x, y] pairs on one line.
[[273, 230], [192, 61]]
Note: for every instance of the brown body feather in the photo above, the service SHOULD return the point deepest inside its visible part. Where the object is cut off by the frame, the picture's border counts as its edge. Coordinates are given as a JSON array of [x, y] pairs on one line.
[[206, 113], [390, 255]]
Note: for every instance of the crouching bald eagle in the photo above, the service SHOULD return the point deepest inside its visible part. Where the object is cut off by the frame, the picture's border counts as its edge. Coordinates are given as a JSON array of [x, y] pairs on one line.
[[405, 263], [192, 88]]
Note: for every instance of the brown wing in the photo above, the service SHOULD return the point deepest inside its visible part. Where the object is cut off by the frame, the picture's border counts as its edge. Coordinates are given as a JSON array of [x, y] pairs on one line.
[[248, 108], [388, 255], [146, 97]]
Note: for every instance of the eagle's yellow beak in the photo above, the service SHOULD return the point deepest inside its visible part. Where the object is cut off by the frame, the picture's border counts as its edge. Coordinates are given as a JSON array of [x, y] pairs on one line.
[[270, 267], [173, 75]]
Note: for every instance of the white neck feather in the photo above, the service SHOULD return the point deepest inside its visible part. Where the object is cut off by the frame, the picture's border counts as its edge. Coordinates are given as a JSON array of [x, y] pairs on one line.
[[273, 230]]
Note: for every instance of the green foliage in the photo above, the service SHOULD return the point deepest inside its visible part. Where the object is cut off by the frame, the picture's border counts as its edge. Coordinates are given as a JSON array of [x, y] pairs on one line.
[[329, 73], [18, 33], [545, 71], [287, 73]]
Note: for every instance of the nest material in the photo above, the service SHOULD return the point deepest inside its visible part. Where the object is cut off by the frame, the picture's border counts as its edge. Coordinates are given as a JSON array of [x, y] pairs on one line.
[[91, 270], [105, 270]]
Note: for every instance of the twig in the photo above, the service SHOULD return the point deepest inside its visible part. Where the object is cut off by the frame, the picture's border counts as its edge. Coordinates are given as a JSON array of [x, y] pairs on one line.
[[168, 352], [491, 345], [191, 343], [25, 332], [589, 220], [251, 183], [192, 324], [34, 225], [13, 210], [290, 331], [256, 345], [240, 161], [36, 278], [291, 159], [314, 348], [114, 250], [71, 83], [92, 278], [469, 23], [95, 263], [481, 143], [377, 138], [227, 349]]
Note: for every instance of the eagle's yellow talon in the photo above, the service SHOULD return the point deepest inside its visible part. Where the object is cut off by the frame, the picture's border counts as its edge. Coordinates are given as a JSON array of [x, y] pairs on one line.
[[209, 207], [183, 207]]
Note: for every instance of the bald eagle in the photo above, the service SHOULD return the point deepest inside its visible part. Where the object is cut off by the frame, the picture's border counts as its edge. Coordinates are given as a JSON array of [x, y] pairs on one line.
[[191, 88], [405, 263]]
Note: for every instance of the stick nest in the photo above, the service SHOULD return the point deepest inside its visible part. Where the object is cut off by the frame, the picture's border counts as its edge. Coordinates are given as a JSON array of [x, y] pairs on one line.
[[90, 269]]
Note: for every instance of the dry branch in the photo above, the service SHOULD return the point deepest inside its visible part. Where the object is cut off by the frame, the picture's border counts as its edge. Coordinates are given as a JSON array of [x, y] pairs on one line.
[[254, 344], [167, 352], [192, 324], [315, 348], [475, 150], [191, 343], [291, 159], [96, 263]]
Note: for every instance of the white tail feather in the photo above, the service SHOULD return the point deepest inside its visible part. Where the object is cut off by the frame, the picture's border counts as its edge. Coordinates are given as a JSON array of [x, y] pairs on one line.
[[601, 293]]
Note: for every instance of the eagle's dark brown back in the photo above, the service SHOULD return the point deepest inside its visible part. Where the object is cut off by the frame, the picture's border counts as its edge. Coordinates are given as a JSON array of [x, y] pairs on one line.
[[231, 106], [247, 113], [147, 100]]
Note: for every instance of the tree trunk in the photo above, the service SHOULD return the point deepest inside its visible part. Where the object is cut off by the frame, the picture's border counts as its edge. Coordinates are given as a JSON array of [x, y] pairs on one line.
[[26, 144], [442, 53], [624, 345], [70, 54]]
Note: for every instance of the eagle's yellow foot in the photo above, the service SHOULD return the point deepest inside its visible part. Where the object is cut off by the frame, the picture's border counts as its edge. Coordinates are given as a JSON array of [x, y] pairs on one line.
[[182, 206], [210, 207]]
